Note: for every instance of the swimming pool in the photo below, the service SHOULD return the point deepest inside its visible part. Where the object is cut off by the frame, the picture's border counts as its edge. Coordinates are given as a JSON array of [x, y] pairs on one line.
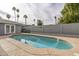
[[42, 41]]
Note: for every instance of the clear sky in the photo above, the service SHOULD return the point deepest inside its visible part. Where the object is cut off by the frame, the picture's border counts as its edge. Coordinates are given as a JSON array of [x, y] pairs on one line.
[[43, 11]]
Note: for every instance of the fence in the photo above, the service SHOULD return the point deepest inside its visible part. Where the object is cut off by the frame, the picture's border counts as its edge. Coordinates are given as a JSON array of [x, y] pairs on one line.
[[59, 28]]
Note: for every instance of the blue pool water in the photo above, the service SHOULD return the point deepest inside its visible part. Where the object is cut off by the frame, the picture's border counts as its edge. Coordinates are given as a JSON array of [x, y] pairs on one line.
[[42, 42]]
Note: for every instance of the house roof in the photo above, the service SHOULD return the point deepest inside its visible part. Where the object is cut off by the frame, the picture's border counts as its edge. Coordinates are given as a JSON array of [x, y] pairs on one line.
[[10, 22]]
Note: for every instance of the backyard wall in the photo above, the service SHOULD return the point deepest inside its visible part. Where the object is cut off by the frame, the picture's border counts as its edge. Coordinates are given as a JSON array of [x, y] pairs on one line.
[[18, 28], [52, 28], [1, 29], [59, 28], [70, 28]]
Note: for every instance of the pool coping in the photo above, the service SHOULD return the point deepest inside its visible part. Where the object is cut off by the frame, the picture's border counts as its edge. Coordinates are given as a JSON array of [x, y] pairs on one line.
[[50, 51], [75, 45]]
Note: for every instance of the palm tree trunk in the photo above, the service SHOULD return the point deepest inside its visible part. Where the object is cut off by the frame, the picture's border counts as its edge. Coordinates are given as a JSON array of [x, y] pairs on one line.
[[17, 19], [15, 15], [25, 21], [34, 23], [55, 21]]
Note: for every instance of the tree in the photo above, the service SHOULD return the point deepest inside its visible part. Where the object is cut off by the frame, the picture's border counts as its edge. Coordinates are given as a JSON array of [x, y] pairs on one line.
[[34, 21], [55, 19], [70, 13], [25, 16], [14, 9], [8, 16], [17, 10], [18, 17], [39, 23]]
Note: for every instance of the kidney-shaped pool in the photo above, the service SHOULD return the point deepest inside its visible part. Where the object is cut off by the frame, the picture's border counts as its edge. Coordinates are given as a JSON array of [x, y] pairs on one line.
[[42, 41]]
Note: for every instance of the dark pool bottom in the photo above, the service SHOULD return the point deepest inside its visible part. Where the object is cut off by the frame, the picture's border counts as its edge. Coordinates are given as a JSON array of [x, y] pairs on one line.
[[42, 42]]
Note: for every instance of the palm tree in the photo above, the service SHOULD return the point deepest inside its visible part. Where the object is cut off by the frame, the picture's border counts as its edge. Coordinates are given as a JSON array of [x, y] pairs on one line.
[[34, 21], [25, 16], [8, 16], [39, 23], [14, 9], [55, 19], [18, 17], [17, 10]]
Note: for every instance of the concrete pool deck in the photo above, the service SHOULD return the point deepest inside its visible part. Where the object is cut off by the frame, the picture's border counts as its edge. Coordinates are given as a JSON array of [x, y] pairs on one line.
[[11, 47]]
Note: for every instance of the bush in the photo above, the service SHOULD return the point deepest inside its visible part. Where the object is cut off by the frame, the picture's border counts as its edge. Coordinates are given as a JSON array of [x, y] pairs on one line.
[[25, 31]]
